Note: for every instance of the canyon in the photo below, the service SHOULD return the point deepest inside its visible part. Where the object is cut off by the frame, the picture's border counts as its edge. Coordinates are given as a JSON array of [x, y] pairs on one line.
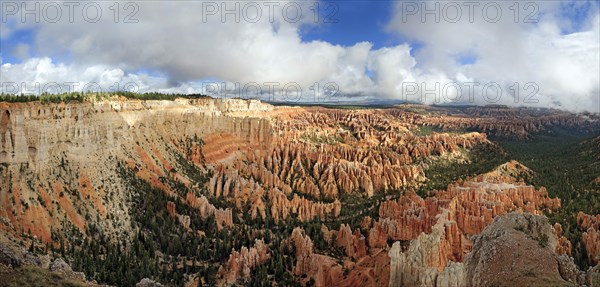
[[294, 195]]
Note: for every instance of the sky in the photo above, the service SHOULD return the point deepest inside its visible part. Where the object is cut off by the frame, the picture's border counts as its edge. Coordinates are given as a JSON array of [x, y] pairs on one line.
[[519, 53]]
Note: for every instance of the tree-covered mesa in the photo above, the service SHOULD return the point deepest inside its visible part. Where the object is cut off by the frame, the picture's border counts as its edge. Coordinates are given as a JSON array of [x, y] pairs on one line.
[[92, 96]]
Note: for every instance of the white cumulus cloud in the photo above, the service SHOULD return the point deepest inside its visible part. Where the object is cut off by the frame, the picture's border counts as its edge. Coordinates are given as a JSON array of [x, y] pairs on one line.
[[173, 48]]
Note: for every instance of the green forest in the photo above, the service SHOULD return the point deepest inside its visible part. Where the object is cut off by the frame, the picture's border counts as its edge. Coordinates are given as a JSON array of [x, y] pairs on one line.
[[566, 163], [82, 96]]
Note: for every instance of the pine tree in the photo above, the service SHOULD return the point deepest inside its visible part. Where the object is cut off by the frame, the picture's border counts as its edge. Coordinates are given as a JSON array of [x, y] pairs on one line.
[[62, 247]]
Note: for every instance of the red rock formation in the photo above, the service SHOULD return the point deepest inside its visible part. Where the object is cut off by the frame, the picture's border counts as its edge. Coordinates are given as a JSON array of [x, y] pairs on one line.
[[372, 271], [590, 224], [380, 157], [473, 204], [184, 220], [229, 184], [439, 226], [407, 217], [366, 223], [286, 168], [429, 255], [223, 217], [304, 251], [325, 270], [282, 207], [241, 263], [353, 243], [171, 209], [378, 236], [563, 245]]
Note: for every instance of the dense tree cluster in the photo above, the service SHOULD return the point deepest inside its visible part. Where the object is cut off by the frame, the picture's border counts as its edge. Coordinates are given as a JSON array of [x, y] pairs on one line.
[[82, 96], [563, 161]]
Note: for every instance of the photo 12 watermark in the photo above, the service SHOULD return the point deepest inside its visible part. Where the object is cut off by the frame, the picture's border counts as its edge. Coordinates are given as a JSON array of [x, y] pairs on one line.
[[254, 11], [471, 11], [318, 12], [71, 11], [470, 92], [273, 91]]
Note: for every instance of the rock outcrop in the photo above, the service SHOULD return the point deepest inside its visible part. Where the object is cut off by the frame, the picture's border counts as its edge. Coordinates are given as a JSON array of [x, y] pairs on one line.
[[59, 265], [282, 207], [435, 232], [472, 204], [354, 244], [325, 270], [590, 224], [18, 263], [240, 264], [223, 217], [184, 220], [147, 282], [563, 245], [371, 270], [427, 259], [519, 250]]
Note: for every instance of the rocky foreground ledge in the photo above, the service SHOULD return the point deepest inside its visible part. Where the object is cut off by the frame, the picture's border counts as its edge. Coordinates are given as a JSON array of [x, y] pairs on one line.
[[19, 267]]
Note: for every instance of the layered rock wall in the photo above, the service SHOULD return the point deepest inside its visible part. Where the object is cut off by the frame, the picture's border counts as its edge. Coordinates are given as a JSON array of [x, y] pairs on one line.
[[47, 149]]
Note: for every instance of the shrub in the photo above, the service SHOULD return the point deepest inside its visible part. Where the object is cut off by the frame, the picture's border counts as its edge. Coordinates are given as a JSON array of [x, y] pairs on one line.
[[543, 240]]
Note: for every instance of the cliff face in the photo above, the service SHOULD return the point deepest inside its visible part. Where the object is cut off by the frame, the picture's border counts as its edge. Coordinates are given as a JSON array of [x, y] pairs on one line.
[[33, 132], [61, 159]]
